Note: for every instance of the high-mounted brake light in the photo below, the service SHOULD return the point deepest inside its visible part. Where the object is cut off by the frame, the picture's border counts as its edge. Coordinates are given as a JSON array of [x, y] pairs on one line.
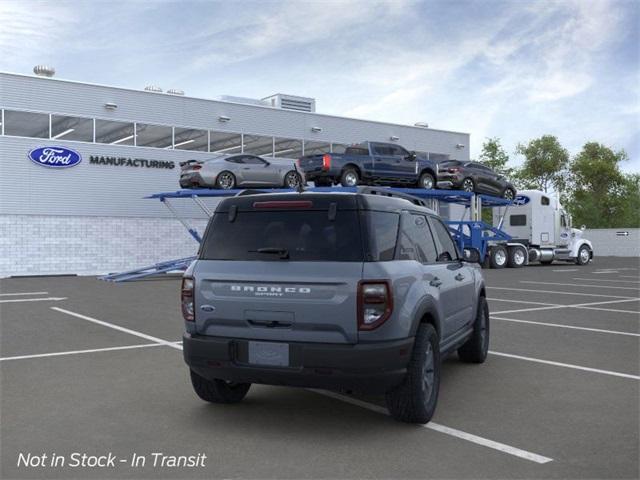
[[284, 204], [186, 295], [326, 161], [375, 303]]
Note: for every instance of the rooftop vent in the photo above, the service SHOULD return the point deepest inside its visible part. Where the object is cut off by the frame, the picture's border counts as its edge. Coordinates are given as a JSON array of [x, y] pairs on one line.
[[244, 100], [153, 88], [291, 102], [175, 91], [44, 71]]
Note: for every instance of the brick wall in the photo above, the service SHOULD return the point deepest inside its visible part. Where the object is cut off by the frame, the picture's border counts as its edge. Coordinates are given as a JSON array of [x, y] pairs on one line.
[[47, 245]]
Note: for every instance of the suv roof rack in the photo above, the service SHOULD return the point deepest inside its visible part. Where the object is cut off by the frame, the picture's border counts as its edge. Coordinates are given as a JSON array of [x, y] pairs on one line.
[[387, 192]]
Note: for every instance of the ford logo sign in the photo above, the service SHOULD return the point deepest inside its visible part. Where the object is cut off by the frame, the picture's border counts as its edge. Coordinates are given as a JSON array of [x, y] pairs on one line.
[[521, 200], [55, 157]]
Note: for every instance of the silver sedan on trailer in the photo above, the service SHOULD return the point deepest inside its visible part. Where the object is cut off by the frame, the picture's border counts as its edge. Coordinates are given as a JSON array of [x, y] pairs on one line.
[[240, 170]]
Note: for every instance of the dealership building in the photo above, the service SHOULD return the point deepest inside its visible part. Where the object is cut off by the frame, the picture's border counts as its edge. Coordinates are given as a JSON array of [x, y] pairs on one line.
[[92, 217]]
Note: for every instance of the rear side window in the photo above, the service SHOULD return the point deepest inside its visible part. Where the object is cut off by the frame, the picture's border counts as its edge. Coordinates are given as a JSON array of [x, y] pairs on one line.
[[518, 220], [382, 228], [447, 251], [303, 236], [356, 151], [415, 241]]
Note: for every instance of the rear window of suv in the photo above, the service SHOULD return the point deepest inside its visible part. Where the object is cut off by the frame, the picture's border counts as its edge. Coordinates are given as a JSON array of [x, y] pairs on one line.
[[302, 235]]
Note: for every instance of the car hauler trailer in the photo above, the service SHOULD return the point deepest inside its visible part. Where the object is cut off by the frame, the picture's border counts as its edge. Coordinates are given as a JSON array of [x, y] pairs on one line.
[[541, 230]]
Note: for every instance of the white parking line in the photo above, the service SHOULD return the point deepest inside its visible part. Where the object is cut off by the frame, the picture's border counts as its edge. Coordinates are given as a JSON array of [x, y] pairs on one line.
[[628, 276], [119, 328], [587, 306], [566, 365], [76, 352], [604, 280], [582, 285], [567, 270], [523, 301], [485, 442], [23, 293], [559, 293], [559, 325], [48, 299]]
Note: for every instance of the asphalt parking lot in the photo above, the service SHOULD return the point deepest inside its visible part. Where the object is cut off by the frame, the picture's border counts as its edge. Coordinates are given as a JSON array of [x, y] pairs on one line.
[[94, 367]]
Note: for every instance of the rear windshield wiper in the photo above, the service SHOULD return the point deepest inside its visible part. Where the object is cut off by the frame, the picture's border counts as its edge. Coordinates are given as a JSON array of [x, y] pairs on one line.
[[283, 252]]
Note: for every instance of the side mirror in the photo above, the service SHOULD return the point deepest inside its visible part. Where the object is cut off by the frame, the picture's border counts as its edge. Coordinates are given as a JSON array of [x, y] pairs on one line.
[[471, 255]]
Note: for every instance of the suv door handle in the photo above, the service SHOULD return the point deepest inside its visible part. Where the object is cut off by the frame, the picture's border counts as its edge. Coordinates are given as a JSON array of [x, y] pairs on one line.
[[436, 282], [459, 277]]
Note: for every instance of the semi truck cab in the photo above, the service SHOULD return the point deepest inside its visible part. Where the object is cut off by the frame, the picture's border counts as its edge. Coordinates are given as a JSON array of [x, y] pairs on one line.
[[537, 221]]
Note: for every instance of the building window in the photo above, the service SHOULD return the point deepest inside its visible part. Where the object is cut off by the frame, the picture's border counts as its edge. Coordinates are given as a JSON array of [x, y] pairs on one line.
[[287, 148], [26, 124], [190, 139], [315, 148], [157, 136], [225, 142], [114, 133], [71, 128], [258, 145]]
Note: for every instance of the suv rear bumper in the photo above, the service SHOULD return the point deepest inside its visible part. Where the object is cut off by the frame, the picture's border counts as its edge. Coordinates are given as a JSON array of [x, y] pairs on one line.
[[372, 368]]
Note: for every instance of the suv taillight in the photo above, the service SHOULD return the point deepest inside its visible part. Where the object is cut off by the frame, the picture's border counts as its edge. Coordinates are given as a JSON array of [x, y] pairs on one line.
[[454, 170], [375, 303], [187, 299], [196, 167], [326, 161]]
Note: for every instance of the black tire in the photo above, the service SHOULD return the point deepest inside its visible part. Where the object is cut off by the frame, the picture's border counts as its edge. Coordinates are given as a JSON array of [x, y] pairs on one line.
[[508, 194], [415, 399], [468, 185], [584, 255], [218, 391], [225, 180], [427, 181], [498, 256], [289, 179], [517, 257], [349, 177], [475, 349]]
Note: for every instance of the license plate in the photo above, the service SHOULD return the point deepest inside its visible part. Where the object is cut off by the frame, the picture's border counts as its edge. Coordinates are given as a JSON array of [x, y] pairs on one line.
[[269, 353]]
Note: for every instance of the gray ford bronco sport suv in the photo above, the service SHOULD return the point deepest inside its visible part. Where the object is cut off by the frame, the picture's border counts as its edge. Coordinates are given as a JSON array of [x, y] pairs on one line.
[[355, 291]]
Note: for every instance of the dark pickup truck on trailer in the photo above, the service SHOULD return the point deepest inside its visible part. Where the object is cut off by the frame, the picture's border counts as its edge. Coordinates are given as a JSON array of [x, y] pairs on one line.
[[370, 163]]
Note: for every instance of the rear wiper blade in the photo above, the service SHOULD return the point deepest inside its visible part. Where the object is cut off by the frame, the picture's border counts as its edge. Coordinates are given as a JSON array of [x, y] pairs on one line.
[[283, 252]]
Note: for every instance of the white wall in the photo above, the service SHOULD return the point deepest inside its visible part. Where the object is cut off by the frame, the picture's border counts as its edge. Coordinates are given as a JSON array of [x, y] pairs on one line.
[[51, 245], [608, 242]]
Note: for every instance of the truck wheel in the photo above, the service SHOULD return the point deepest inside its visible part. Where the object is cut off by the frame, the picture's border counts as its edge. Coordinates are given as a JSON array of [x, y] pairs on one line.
[[475, 349], [292, 180], [349, 178], [218, 391], [415, 399], [584, 255], [517, 257], [426, 181], [498, 256]]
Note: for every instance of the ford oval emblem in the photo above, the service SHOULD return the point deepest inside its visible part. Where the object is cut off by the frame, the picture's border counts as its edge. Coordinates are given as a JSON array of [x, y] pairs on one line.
[[55, 157], [521, 200]]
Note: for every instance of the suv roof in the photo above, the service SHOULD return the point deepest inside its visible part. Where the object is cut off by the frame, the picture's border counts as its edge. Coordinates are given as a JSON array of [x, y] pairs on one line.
[[371, 199]]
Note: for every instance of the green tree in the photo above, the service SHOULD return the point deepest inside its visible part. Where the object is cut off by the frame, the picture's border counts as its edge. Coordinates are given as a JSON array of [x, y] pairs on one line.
[[600, 195], [494, 156], [544, 165]]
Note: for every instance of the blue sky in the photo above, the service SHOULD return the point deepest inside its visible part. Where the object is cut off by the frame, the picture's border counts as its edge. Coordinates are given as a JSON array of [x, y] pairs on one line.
[[514, 69]]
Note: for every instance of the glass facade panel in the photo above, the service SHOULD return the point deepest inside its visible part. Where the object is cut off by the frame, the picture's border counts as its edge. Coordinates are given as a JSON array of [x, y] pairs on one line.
[[225, 142], [153, 136], [71, 128], [287, 148], [26, 124], [258, 145], [115, 133], [314, 148], [190, 139]]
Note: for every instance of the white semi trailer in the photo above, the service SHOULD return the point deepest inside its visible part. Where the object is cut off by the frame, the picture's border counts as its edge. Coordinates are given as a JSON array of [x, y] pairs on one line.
[[541, 231]]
